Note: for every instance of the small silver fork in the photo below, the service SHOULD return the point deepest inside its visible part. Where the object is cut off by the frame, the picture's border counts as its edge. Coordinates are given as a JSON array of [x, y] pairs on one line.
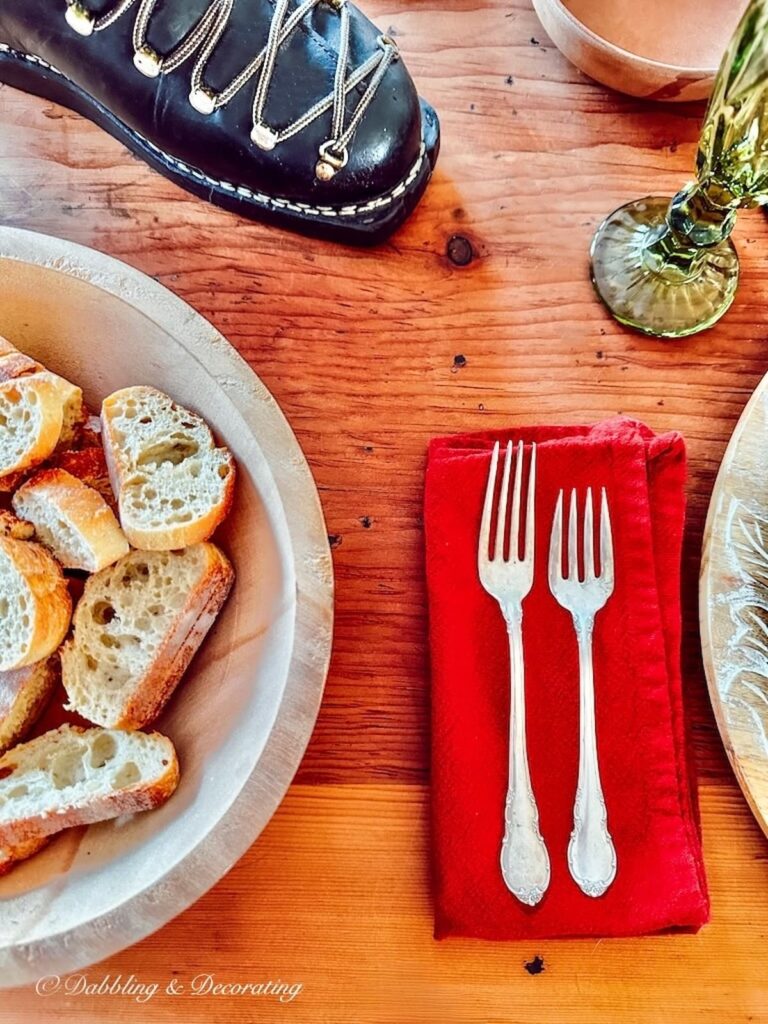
[[524, 858], [591, 853]]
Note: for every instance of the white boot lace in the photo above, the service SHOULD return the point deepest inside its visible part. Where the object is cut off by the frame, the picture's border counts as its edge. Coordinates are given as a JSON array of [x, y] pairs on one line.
[[205, 36]]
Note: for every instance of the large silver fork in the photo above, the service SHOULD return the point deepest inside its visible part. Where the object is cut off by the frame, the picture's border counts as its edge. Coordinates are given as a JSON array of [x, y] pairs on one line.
[[524, 858], [591, 853]]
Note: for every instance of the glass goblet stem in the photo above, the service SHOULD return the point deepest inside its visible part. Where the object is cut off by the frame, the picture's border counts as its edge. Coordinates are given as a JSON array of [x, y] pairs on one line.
[[676, 249]]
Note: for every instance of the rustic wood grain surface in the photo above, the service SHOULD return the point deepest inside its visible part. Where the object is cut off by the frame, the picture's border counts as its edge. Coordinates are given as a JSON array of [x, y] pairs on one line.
[[370, 354]]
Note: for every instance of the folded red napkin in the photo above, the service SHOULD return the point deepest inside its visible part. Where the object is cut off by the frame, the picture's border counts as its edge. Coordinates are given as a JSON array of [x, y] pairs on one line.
[[652, 812]]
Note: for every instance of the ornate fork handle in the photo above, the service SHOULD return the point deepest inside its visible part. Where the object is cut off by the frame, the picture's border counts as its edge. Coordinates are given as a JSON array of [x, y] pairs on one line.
[[591, 853], [524, 857]]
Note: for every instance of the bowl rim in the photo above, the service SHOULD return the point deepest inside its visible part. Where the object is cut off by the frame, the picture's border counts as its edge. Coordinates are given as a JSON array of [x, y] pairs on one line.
[[250, 810], [615, 50]]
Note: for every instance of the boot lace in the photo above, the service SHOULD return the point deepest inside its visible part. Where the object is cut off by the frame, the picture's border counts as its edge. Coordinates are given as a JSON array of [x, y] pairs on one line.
[[203, 39]]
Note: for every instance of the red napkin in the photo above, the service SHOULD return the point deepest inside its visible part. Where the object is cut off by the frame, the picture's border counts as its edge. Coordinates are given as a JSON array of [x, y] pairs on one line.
[[652, 812]]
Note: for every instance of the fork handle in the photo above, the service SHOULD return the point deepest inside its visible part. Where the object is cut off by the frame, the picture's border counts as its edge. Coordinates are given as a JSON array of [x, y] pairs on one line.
[[524, 857], [591, 853]]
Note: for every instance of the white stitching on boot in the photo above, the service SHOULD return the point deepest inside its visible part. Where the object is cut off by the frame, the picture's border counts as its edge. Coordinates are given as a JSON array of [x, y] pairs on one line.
[[259, 197]]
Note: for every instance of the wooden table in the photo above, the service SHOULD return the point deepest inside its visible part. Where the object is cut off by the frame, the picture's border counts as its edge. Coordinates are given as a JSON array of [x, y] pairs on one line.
[[370, 354]]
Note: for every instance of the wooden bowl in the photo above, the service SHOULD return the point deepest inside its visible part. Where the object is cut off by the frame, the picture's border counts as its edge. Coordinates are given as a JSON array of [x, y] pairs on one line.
[[242, 716], [620, 69]]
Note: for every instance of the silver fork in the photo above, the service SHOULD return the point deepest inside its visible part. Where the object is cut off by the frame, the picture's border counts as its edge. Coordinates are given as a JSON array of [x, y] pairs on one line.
[[524, 858], [591, 853]]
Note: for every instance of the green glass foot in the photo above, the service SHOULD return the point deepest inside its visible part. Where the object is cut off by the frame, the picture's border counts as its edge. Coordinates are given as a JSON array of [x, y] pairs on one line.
[[661, 299]]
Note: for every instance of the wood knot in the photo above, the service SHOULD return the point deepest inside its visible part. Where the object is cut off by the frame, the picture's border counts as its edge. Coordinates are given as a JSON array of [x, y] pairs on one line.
[[535, 966], [459, 251]]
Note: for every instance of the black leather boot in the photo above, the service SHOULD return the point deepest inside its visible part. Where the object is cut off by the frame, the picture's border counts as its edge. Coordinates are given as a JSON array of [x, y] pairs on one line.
[[296, 112]]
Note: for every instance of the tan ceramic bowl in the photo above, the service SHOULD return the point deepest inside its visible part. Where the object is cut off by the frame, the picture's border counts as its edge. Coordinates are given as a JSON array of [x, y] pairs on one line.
[[242, 716], [617, 68]]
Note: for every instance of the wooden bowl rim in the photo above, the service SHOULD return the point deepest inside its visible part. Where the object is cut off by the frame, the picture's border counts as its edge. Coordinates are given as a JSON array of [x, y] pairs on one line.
[[588, 34]]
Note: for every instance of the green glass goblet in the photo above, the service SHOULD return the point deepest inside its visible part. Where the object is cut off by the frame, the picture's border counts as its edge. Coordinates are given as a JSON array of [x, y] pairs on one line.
[[668, 267]]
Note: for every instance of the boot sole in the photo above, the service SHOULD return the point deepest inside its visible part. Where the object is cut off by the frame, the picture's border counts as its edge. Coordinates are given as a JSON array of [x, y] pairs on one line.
[[367, 223]]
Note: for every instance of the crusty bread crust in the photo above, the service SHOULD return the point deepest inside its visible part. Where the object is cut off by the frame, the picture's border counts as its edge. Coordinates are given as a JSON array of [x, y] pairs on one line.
[[9, 483], [153, 689], [90, 466], [203, 605], [109, 805], [14, 364], [141, 796], [183, 536], [83, 509], [10, 855], [74, 413], [174, 536], [12, 526], [51, 608], [49, 427], [24, 693]]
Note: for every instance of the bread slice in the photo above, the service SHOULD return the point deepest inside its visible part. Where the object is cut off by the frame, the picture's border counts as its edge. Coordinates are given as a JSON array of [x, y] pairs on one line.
[[35, 606], [174, 486], [71, 519], [30, 423], [9, 483], [90, 466], [24, 693], [137, 626], [86, 462], [12, 526], [15, 364], [74, 415], [72, 776], [11, 854]]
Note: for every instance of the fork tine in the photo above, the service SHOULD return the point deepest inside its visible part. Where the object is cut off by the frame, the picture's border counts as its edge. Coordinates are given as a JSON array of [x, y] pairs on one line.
[[590, 570], [573, 535], [514, 533], [530, 514], [501, 524], [606, 544], [485, 522], [556, 546]]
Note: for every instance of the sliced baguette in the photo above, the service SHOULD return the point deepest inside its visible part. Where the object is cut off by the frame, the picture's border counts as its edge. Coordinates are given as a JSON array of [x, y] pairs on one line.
[[30, 423], [173, 485], [15, 364], [72, 776], [74, 414], [137, 627], [12, 526], [24, 693], [90, 466], [35, 606], [71, 519]]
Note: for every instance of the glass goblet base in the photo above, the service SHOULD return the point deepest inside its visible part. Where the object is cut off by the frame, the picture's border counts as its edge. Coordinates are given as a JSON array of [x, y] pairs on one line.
[[666, 299]]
